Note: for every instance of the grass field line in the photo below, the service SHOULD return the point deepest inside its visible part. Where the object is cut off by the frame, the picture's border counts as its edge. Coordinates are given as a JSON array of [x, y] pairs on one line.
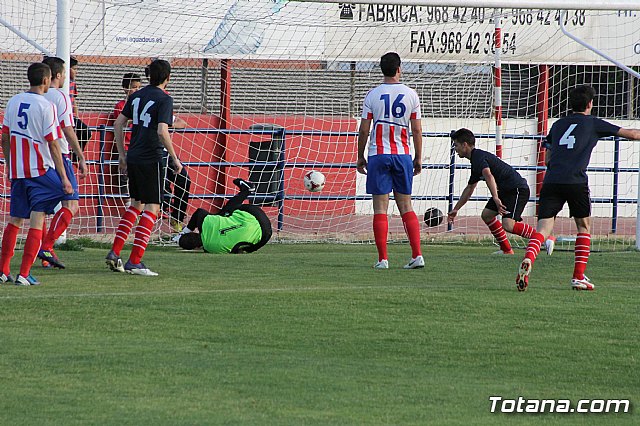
[[208, 291]]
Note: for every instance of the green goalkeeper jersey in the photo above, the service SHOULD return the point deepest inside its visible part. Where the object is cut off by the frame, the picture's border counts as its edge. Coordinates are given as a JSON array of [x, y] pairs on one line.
[[221, 233]]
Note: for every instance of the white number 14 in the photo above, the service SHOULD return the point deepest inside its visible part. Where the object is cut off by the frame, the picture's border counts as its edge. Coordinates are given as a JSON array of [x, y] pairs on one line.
[[568, 139], [144, 116]]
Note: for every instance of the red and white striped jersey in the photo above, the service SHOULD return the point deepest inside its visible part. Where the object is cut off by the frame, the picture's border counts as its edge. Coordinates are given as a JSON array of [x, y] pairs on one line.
[[65, 113], [31, 122], [391, 107]]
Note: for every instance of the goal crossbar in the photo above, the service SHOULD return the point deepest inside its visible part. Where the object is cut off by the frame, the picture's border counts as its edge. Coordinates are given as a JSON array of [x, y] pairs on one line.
[[501, 4]]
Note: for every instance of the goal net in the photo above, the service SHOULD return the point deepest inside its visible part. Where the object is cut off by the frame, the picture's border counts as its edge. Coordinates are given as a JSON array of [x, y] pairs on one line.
[[272, 89]]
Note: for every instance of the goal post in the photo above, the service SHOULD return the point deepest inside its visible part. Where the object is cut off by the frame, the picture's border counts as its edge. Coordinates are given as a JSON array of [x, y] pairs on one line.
[[270, 89]]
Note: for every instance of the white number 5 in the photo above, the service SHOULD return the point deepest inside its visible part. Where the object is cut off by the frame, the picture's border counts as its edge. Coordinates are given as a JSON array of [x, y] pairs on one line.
[[568, 139]]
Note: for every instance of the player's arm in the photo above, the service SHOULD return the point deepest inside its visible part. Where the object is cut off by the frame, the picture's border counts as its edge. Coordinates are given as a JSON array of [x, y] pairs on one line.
[[6, 147], [178, 123], [165, 138], [118, 135], [363, 138], [56, 155], [416, 130], [72, 138], [464, 198], [632, 134], [493, 189]]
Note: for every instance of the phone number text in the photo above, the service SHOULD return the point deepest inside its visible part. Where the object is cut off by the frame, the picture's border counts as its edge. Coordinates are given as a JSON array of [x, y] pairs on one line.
[[455, 42]]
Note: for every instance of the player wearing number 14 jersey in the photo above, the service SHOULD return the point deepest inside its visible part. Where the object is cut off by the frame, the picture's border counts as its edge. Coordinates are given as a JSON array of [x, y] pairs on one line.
[[151, 111], [569, 146], [393, 110]]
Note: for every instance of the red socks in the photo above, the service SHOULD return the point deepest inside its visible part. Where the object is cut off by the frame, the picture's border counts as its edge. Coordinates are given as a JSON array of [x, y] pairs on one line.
[[524, 230], [535, 243], [380, 233], [500, 234], [142, 235], [31, 247], [124, 228], [582, 250], [412, 228], [9, 239], [59, 224]]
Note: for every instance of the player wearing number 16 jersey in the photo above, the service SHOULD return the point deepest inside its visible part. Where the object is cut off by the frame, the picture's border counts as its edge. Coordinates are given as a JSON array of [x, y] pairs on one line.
[[393, 110], [569, 146], [151, 112]]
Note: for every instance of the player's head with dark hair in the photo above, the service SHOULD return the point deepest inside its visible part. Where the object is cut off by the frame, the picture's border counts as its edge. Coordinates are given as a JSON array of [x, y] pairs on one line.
[[73, 68], [57, 67], [464, 141], [463, 135], [580, 96], [190, 241], [129, 78], [389, 64], [159, 72], [38, 73]]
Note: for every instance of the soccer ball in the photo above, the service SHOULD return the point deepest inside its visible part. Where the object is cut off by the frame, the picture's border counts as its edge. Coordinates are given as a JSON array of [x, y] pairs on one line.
[[314, 181], [433, 217], [61, 239]]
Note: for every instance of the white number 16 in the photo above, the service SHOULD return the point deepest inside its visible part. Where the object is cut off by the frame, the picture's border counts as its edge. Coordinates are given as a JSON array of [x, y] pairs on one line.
[[568, 139]]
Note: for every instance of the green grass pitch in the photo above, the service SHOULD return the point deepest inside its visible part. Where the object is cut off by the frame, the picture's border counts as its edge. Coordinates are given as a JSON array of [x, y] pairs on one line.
[[311, 334]]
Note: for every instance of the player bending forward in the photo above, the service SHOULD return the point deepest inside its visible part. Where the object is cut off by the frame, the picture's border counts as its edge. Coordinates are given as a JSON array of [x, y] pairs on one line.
[[569, 146], [237, 228], [509, 191]]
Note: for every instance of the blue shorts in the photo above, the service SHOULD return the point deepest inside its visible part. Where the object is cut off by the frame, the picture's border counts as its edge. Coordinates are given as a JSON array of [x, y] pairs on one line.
[[389, 172], [71, 175], [40, 194]]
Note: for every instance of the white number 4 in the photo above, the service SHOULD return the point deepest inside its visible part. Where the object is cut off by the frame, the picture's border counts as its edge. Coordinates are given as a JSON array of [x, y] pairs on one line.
[[144, 116], [568, 139]]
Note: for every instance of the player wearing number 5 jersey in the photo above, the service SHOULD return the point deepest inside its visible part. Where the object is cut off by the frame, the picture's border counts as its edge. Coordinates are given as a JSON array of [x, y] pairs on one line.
[[393, 110], [30, 144], [569, 146], [151, 111]]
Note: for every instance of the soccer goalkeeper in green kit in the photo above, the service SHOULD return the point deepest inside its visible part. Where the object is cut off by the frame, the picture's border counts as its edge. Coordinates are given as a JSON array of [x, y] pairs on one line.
[[237, 228]]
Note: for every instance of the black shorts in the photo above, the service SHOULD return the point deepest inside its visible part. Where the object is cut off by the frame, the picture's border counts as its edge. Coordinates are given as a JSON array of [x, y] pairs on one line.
[[553, 196], [515, 201], [145, 182]]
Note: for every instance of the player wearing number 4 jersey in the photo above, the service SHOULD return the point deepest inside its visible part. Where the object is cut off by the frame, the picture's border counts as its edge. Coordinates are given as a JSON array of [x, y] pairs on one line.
[[394, 111], [151, 111], [569, 146]]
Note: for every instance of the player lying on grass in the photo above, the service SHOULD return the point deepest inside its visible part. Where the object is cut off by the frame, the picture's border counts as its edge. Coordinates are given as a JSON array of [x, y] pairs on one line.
[[237, 228], [509, 191]]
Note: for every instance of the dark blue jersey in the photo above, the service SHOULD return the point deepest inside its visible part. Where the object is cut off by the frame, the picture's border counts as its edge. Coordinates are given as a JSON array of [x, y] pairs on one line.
[[146, 108], [570, 143], [506, 177]]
